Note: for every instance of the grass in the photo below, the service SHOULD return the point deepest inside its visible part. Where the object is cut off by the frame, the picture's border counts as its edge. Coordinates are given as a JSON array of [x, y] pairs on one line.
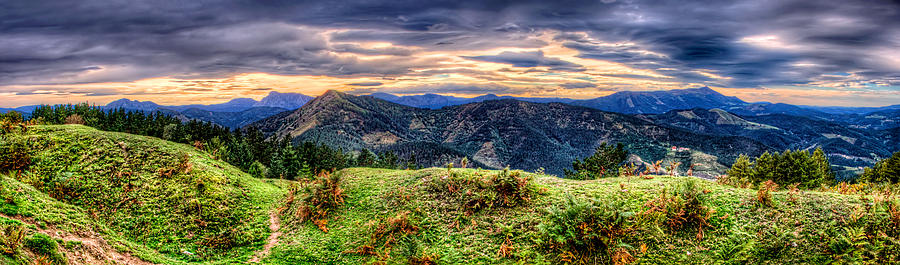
[[169, 203], [800, 228], [163, 201]]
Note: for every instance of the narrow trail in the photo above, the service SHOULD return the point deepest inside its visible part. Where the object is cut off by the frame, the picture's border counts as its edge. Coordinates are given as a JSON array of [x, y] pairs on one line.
[[92, 250], [274, 226]]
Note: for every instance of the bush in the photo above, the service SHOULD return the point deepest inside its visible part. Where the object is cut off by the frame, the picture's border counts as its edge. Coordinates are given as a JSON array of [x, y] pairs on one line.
[[11, 236], [512, 187], [258, 170], [11, 121], [474, 192], [764, 194], [321, 198], [603, 163], [387, 233], [42, 245], [585, 231], [74, 119], [683, 208], [14, 153]]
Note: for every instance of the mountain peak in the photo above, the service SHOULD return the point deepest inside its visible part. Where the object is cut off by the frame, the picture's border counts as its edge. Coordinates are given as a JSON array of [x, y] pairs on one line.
[[284, 100], [125, 103]]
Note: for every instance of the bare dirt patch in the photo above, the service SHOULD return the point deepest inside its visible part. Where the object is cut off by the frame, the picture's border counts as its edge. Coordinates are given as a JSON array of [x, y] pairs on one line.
[[274, 226], [93, 249]]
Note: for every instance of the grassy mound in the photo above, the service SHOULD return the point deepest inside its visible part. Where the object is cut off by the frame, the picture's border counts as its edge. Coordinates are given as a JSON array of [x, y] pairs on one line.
[[458, 217], [163, 201]]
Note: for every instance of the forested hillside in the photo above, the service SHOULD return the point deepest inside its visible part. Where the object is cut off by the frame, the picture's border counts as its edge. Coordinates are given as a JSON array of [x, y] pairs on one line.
[[498, 133]]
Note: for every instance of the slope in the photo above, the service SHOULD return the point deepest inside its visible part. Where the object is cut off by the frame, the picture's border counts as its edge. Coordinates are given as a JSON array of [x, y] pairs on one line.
[[402, 217], [230, 119], [661, 101], [497, 133], [174, 202]]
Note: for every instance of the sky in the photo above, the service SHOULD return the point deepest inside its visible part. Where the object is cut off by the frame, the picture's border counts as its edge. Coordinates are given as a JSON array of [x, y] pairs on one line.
[[841, 53]]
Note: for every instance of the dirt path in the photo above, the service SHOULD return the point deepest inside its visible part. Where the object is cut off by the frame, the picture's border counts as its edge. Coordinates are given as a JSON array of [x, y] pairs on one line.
[[92, 250], [274, 226]]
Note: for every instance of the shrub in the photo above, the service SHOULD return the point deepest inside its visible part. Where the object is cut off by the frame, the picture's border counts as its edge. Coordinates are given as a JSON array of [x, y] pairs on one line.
[[11, 236], [684, 208], [12, 117], [423, 260], [42, 245], [603, 163], [14, 153], [74, 119], [585, 231], [387, 233], [764, 194], [321, 198], [258, 170], [474, 192], [512, 187]]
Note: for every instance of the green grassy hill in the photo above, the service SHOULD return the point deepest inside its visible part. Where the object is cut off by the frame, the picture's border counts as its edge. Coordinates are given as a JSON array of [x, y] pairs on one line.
[[801, 227], [161, 201], [101, 196]]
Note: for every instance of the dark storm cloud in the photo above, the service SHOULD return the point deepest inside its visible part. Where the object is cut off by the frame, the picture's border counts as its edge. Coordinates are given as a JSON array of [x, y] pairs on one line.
[[528, 59], [577, 85], [49, 42], [453, 88], [366, 84]]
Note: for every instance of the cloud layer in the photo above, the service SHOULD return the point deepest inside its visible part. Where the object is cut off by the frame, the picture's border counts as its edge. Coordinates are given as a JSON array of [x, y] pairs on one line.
[[102, 49]]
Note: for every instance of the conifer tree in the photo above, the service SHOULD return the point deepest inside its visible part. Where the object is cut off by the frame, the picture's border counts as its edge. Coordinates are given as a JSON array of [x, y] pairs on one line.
[[604, 162], [741, 170], [388, 160], [764, 168], [822, 166], [365, 158], [887, 170]]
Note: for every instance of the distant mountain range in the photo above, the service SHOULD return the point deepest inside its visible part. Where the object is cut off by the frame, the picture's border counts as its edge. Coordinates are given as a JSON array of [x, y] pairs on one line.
[[435, 101], [628, 102], [496, 133], [286, 101], [659, 102], [692, 126], [235, 113]]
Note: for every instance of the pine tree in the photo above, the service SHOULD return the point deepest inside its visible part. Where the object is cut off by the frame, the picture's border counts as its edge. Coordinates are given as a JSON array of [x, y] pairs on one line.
[[365, 158], [887, 170], [822, 167], [764, 168], [605, 162], [741, 170], [387, 160]]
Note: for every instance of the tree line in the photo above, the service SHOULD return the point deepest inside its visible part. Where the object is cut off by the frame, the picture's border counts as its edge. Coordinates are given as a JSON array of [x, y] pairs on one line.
[[245, 148], [785, 168]]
